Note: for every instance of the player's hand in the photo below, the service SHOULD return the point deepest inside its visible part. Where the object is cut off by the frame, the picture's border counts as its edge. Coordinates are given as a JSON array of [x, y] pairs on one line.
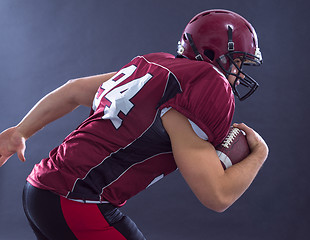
[[11, 142], [256, 143]]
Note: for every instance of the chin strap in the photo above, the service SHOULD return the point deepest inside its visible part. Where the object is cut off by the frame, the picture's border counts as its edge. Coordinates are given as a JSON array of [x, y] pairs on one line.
[[193, 46]]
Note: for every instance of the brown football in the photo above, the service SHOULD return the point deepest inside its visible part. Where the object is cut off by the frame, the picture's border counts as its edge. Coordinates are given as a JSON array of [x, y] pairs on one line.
[[233, 149]]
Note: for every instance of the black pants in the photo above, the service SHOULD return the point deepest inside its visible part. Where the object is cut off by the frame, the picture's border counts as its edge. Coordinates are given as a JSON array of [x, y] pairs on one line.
[[54, 217]]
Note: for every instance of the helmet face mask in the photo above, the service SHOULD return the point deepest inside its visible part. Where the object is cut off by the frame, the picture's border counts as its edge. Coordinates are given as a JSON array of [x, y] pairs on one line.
[[220, 37], [244, 85]]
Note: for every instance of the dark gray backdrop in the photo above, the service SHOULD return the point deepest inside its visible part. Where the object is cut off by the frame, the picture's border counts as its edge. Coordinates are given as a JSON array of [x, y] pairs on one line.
[[45, 43]]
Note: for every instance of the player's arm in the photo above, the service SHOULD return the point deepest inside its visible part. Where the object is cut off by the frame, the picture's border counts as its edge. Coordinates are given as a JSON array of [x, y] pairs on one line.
[[201, 168], [60, 102], [51, 107]]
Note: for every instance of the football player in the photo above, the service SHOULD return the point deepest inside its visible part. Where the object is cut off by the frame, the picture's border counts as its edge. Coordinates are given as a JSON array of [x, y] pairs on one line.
[[157, 114]]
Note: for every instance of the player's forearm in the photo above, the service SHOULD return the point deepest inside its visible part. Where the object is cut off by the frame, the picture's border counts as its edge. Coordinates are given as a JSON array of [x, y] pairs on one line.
[[237, 179], [63, 100], [53, 106]]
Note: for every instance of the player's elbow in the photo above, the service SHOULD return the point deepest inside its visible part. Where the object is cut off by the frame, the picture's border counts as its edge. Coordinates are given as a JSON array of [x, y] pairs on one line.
[[218, 207], [217, 203], [77, 92], [75, 85]]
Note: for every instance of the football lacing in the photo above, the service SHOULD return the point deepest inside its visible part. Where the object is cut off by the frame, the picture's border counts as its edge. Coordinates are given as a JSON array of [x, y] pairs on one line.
[[230, 137]]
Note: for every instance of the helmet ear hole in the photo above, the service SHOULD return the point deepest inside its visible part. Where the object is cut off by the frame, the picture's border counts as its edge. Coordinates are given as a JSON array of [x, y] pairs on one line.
[[209, 54], [184, 37]]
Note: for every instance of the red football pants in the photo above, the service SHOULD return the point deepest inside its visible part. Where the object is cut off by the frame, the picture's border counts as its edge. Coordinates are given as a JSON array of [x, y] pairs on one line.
[[55, 217]]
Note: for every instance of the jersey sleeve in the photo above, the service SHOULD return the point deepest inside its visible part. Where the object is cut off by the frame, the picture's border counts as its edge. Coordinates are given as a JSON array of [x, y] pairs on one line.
[[207, 100]]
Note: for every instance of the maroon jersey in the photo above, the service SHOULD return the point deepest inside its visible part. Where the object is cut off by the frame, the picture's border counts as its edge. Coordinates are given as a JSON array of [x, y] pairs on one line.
[[122, 147]]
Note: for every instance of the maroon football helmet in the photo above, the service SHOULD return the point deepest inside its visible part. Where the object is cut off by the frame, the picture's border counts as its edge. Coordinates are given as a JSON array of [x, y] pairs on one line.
[[220, 36]]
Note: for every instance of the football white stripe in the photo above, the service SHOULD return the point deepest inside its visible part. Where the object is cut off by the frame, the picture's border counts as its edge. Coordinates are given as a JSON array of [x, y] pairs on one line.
[[224, 159]]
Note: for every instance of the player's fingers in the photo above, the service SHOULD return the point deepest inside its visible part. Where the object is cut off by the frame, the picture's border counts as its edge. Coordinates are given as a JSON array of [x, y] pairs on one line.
[[240, 125], [251, 134], [21, 154], [255, 141], [244, 127]]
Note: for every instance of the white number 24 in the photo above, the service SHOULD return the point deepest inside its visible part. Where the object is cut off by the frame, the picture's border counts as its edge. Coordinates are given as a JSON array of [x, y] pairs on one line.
[[117, 99]]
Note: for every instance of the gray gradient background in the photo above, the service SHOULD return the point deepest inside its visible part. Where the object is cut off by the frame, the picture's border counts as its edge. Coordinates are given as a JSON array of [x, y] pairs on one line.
[[45, 43]]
